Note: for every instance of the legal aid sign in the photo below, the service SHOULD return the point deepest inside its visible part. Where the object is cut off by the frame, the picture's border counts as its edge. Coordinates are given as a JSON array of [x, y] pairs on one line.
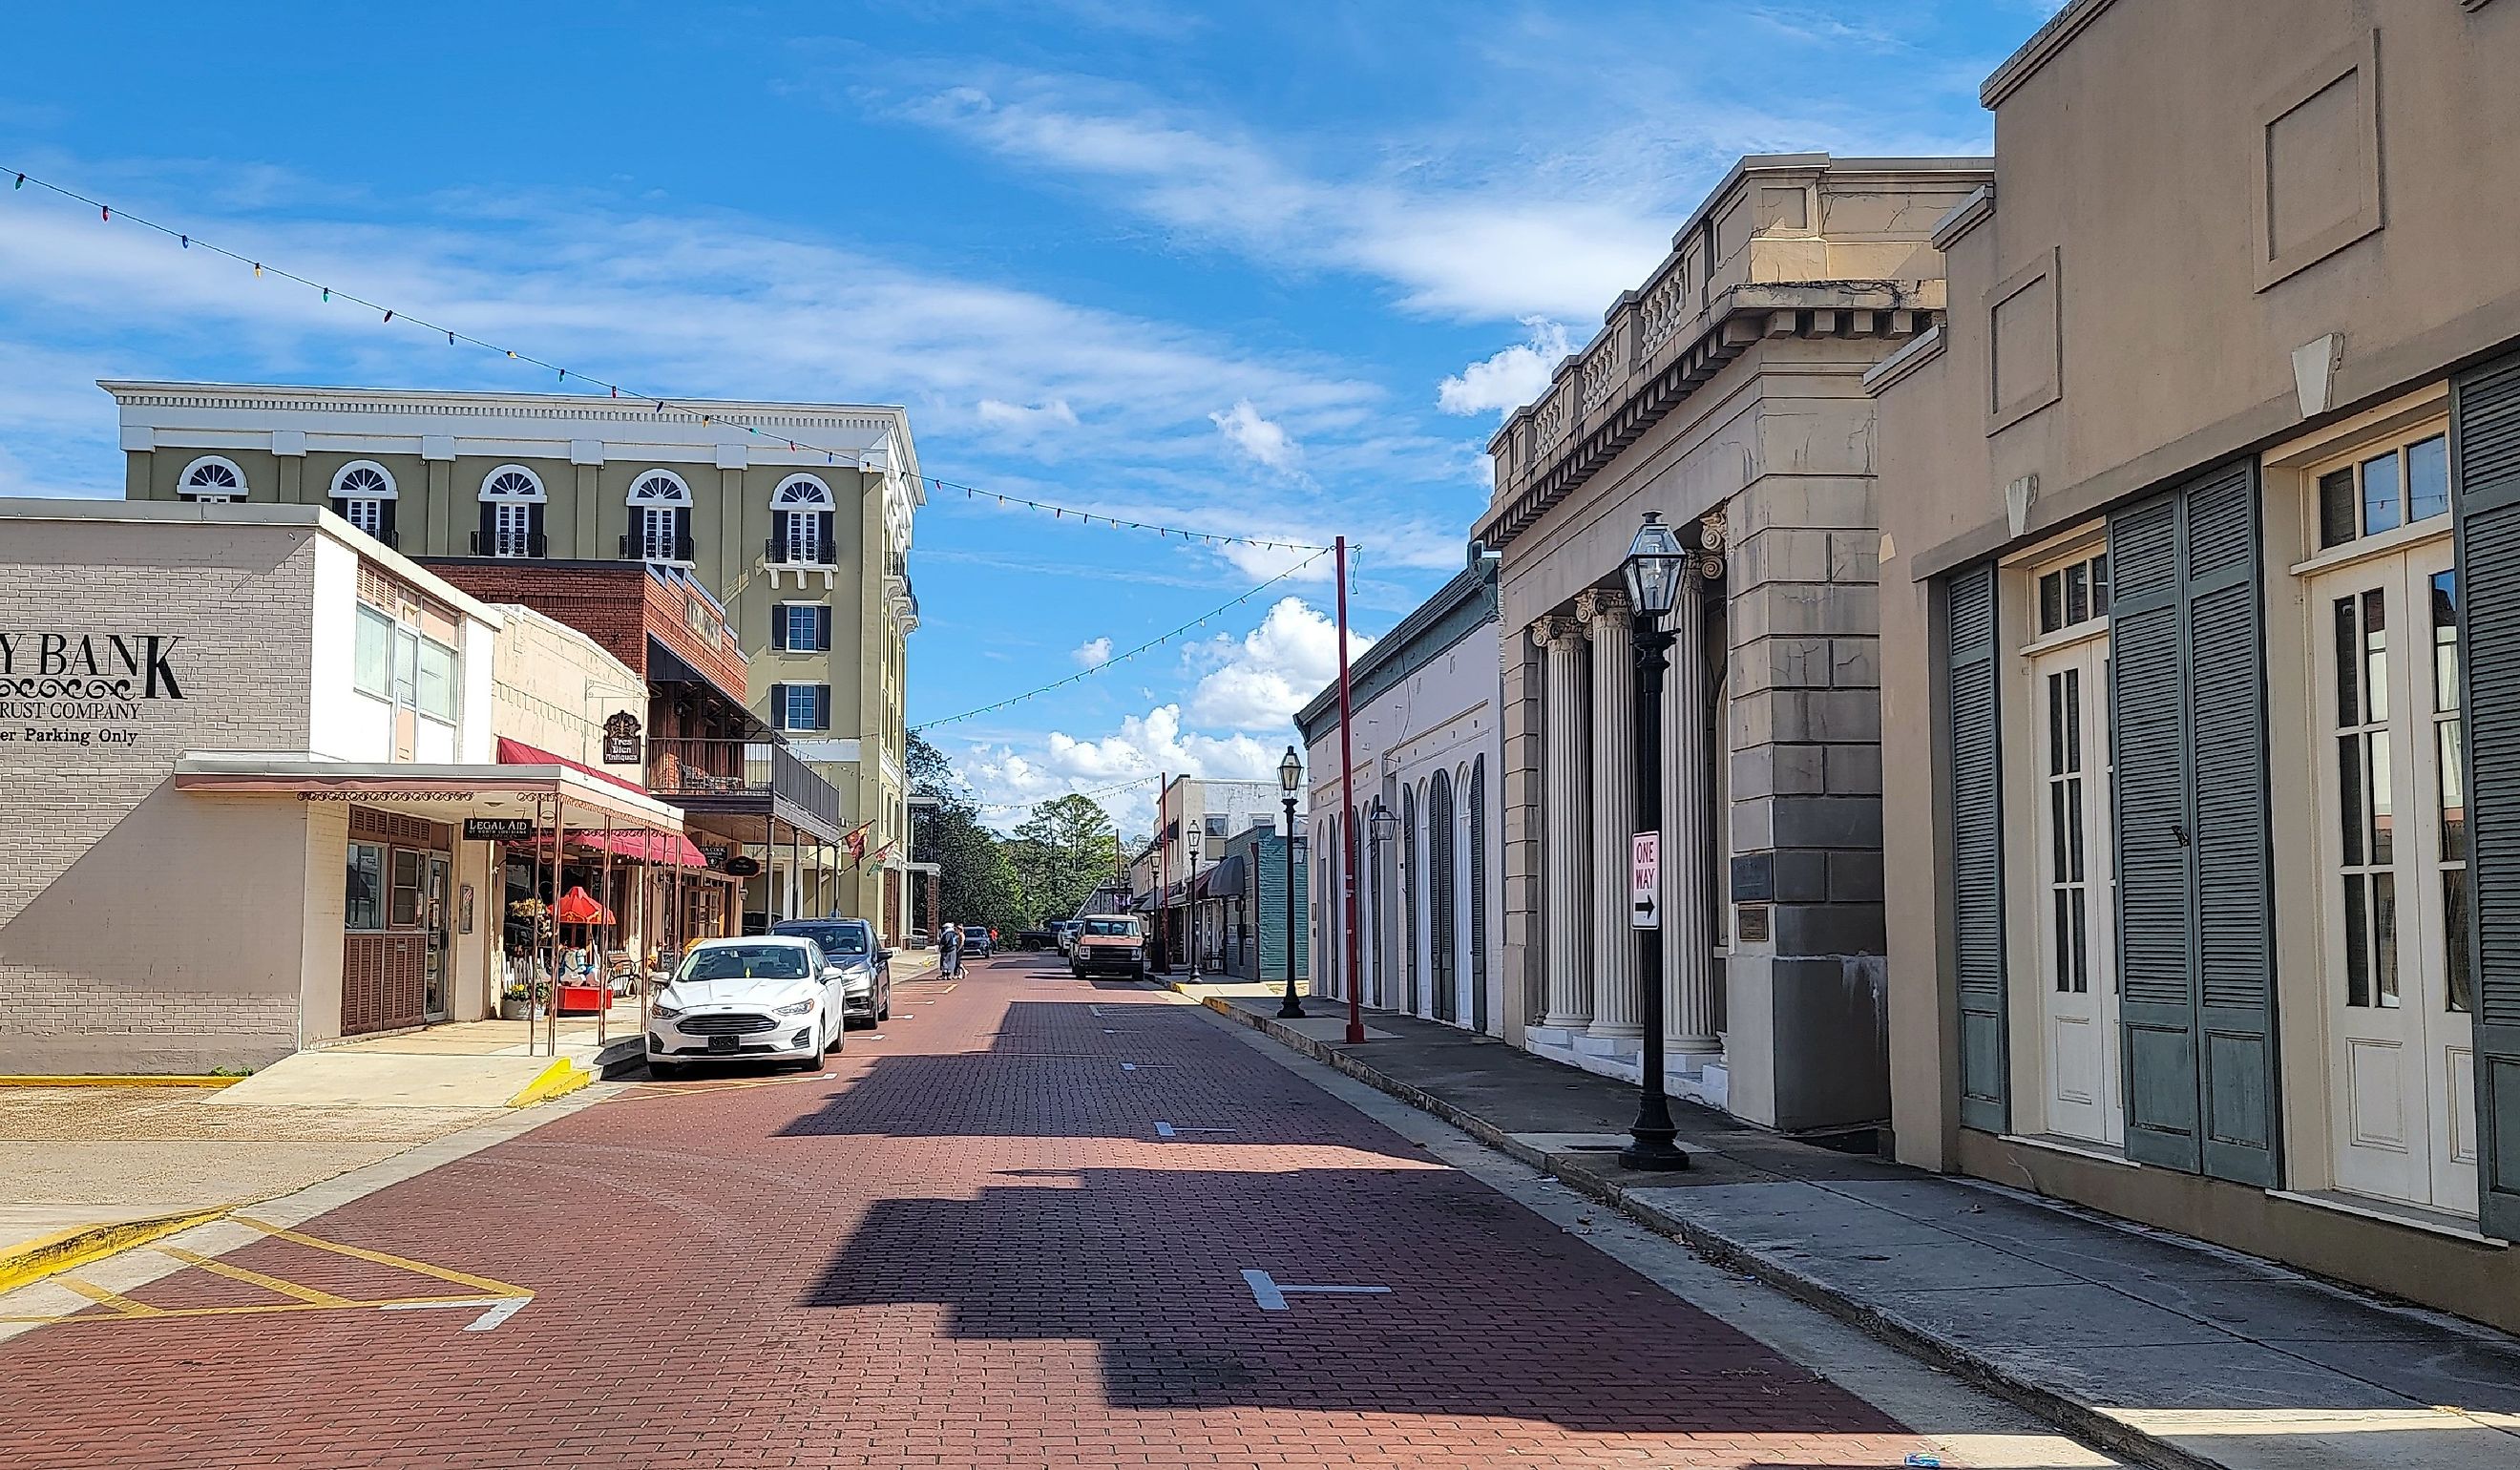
[[1644, 880]]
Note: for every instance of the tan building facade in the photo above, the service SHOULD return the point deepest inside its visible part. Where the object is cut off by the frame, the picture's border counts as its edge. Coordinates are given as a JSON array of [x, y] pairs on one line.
[[806, 546], [2199, 710], [1726, 394]]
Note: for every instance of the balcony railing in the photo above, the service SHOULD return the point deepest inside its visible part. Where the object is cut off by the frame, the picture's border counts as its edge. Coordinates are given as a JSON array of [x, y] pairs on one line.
[[776, 551], [706, 770], [487, 546], [634, 548]]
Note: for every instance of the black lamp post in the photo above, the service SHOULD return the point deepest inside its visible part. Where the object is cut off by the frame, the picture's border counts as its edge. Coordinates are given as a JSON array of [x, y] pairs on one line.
[[1656, 568], [1189, 904], [1290, 779]]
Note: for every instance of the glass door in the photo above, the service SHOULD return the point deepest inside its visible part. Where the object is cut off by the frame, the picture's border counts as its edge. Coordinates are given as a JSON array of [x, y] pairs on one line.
[[437, 920], [2401, 1049], [2077, 944]]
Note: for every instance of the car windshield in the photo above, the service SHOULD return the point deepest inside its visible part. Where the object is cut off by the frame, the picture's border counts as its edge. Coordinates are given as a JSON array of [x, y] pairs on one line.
[[746, 961], [1112, 927], [835, 939]]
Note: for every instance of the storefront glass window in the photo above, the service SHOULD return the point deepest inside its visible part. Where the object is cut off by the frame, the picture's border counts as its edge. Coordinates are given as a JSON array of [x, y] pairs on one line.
[[373, 670], [361, 907], [405, 912]]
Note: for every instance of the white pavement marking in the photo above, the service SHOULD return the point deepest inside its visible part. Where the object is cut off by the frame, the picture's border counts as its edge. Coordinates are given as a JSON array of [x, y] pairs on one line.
[[501, 1308], [1271, 1295], [1168, 1131]]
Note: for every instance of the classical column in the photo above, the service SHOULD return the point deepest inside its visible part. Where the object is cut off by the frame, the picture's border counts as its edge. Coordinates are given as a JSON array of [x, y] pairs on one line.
[[1605, 614], [1691, 863], [1571, 971]]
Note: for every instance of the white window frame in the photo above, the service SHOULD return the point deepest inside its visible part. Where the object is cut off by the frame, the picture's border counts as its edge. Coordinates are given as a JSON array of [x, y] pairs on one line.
[[787, 615], [206, 471], [798, 501], [787, 713]]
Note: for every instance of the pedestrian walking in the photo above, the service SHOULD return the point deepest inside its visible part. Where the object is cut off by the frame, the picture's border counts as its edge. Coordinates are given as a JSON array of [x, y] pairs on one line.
[[949, 948]]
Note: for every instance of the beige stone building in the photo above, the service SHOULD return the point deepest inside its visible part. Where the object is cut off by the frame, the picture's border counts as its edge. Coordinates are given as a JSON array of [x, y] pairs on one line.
[[807, 540], [1726, 393], [239, 749], [2202, 546]]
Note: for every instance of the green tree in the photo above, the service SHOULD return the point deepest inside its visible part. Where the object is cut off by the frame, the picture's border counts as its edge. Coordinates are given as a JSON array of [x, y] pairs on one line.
[[1063, 851], [975, 883]]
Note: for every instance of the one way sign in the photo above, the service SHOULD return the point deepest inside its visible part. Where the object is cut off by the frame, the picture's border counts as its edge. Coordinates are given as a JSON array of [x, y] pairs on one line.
[[1644, 880]]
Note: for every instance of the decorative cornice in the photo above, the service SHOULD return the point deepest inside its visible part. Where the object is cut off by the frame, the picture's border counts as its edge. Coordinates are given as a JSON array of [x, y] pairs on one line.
[[1964, 216], [1601, 605], [2035, 53], [1890, 371]]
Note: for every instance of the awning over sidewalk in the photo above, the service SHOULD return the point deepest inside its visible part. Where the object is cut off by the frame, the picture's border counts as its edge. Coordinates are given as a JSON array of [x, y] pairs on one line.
[[659, 849], [437, 792]]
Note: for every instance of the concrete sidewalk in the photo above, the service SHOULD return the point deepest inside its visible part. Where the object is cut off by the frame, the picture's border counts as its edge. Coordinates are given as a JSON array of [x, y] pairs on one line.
[[2166, 1350]]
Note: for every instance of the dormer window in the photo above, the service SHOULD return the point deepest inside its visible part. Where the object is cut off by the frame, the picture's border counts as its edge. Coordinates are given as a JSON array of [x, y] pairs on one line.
[[661, 518], [363, 494], [211, 480], [800, 511], [512, 514]]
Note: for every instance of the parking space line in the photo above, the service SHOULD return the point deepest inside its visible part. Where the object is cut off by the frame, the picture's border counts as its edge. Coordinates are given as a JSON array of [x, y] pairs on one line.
[[122, 1304], [483, 1284], [256, 1278]]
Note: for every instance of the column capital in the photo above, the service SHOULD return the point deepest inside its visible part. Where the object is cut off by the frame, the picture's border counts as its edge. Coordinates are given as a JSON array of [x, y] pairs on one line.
[[1602, 604], [1557, 628], [1711, 529]]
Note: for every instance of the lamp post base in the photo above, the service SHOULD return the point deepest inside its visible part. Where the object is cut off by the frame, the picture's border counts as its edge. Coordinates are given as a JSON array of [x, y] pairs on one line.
[[1291, 1010], [1651, 1154]]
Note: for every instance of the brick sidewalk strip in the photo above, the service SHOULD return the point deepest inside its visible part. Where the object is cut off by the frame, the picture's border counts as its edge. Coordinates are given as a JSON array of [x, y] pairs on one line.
[[2163, 1349], [968, 1246]]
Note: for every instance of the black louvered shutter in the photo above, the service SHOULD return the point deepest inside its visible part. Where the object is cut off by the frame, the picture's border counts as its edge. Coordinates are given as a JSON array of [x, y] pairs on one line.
[[1976, 785], [2485, 455], [386, 522], [485, 542], [821, 706], [823, 630], [778, 628], [2188, 738], [779, 706], [536, 545]]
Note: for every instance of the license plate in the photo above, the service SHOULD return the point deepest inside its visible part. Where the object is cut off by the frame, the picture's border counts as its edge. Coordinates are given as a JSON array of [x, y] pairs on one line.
[[722, 1044]]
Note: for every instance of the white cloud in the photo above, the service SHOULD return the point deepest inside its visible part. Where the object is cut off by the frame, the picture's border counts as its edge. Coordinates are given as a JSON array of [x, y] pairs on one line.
[[1511, 379], [1264, 442], [996, 411], [1257, 682], [1092, 653]]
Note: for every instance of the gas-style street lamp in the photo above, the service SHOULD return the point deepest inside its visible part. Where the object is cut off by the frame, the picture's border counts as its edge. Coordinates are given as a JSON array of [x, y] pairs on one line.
[[1656, 569], [1290, 779], [1190, 903]]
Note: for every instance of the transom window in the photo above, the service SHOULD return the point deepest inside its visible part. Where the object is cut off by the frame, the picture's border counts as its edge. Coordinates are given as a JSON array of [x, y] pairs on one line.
[[2381, 492], [2076, 593], [212, 480]]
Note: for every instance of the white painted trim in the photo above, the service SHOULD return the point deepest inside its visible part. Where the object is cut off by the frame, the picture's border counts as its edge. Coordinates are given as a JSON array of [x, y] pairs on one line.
[[343, 473], [1919, 350], [184, 482], [539, 496], [2365, 547], [2078, 1147], [682, 488], [2082, 632], [777, 494]]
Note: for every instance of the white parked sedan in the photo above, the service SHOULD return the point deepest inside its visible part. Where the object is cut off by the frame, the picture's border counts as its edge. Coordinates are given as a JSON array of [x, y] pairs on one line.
[[765, 999]]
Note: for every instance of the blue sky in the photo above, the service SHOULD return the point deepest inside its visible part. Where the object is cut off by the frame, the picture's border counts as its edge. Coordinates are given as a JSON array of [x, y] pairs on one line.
[[1267, 270]]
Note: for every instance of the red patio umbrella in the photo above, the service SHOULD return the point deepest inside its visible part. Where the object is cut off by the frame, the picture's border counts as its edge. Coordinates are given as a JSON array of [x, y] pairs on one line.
[[578, 907]]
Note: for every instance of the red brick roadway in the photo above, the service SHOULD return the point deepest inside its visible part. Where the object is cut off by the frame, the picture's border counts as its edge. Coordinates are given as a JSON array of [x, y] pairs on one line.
[[969, 1248]]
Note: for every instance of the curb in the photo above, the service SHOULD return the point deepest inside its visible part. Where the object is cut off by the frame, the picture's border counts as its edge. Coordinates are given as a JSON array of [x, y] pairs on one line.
[[2073, 1415], [562, 1078], [82, 1245], [97, 1080]]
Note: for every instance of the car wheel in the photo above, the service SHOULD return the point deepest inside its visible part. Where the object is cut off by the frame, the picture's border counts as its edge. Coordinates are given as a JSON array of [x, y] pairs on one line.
[[1138, 973], [883, 1003]]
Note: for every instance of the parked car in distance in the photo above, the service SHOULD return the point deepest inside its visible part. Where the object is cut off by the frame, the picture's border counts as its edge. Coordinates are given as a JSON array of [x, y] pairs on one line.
[[1063, 933], [776, 998], [1032, 939], [1110, 943], [976, 942], [866, 967]]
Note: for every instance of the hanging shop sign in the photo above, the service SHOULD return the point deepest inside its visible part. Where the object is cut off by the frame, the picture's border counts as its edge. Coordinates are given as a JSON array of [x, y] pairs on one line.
[[82, 688], [498, 828], [742, 867], [621, 740]]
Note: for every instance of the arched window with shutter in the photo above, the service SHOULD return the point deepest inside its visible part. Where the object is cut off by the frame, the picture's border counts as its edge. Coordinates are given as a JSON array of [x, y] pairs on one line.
[[1444, 970], [800, 523], [661, 518], [363, 494], [512, 514], [212, 480]]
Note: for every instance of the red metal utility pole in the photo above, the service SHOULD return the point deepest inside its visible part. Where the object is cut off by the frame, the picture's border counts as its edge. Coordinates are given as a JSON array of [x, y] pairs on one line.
[[1347, 795]]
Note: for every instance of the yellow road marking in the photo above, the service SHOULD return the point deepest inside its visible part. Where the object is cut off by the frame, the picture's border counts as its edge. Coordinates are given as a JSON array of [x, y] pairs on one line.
[[482, 1284], [256, 1278], [151, 1314], [120, 1303]]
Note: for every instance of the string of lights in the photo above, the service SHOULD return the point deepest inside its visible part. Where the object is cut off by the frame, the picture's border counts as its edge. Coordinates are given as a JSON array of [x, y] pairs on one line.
[[1156, 641], [1098, 792], [708, 414]]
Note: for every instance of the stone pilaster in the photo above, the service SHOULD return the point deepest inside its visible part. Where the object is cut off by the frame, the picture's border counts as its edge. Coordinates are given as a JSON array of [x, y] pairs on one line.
[[1690, 859], [1563, 818], [1607, 617]]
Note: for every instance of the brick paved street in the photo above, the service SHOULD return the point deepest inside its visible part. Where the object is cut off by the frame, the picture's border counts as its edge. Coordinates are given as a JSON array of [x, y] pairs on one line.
[[971, 1246]]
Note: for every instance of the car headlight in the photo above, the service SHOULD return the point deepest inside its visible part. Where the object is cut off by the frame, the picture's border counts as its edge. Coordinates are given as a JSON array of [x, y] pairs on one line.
[[665, 1013], [798, 1007]]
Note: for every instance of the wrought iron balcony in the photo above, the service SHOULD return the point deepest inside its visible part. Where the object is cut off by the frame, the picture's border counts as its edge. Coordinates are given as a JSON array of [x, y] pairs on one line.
[[777, 551], [741, 776], [634, 548], [536, 545]]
